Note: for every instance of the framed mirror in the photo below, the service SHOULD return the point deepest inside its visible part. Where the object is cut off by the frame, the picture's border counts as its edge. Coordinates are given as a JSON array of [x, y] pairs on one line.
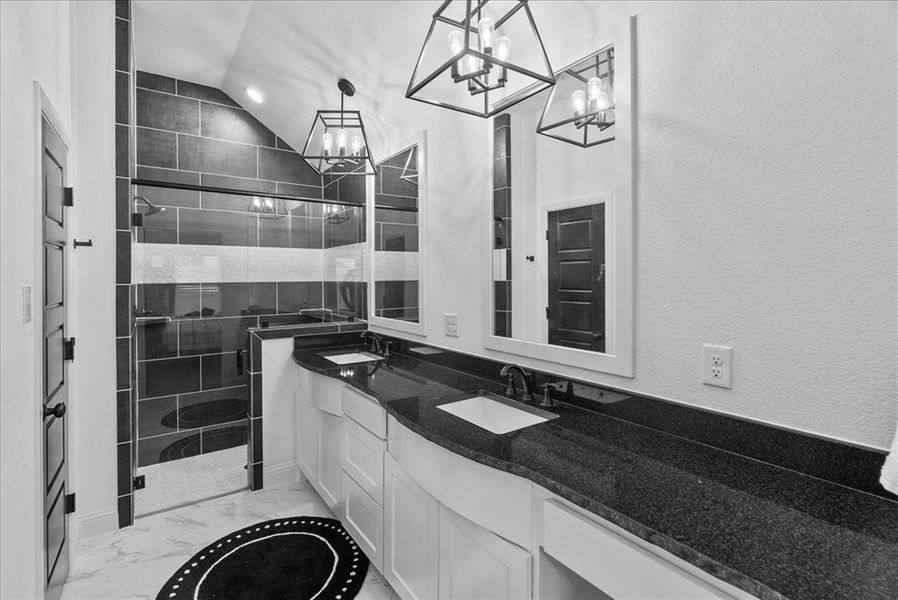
[[397, 198], [560, 231]]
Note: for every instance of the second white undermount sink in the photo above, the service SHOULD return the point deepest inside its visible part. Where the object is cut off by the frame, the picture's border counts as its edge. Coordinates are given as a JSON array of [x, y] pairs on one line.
[[351, 358], [495, 416]]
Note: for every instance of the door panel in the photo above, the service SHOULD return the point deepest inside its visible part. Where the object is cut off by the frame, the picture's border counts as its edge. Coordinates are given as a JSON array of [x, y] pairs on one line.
[[54, 393], [576, 311]]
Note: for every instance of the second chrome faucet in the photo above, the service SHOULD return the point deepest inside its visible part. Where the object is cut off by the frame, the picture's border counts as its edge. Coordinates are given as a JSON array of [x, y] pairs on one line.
[[508, 371]]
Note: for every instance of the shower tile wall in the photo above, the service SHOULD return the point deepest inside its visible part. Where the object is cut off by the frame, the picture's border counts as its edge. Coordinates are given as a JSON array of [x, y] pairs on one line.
[[207, 269], [396, 230], [502, 225]]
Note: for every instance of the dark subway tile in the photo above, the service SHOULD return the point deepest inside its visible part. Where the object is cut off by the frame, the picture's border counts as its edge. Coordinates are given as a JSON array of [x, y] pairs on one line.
[[157, 339], [255, 479], [220, 370], [274, 232], [203, 92], [157, 148], [161, 196], [282, 145], [255, 354], [255, 402], [502, 233], [152, 81], [216, 228], [398, 238], [163, 448], [122, 310], [123, 257], [388, 201], [125, 511], [168, 175], [298, 208], [216, 156], [209, 336], [297, 189], [390, 182], [164, 111], [234, 124], [331, 191], [123, 204], [123, 468], [306, 232], [122, 97], [386, 215], [281, 165], [168, 376], [502, 295], [123, 9], [503, 120], [502, 203], [158, 228], [122, 151], [207, 409], [501, 173], [395, 294], [217, 201], [239, 183], [502, 323], [123, 416], [157, 416], [122, 45], [175, 300], [347, 298], [353, 189], [223, 437], [238, 299], [294, 296], [257, 439]]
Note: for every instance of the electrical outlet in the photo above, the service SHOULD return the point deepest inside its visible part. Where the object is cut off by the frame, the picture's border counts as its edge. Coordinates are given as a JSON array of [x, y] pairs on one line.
[[451, 324], [717, 366]]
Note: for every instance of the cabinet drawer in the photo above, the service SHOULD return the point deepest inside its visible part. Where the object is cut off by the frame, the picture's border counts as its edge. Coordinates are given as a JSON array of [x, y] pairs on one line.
[[324, 393], [365, 410], [363, 458], [364, 520], [616, 566]]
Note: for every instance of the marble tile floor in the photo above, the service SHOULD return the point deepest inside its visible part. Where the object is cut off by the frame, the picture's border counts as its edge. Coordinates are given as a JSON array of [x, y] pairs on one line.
[[135, 562]]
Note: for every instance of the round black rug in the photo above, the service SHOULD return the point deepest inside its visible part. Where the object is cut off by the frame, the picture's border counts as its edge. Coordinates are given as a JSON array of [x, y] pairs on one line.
[[301, 558]]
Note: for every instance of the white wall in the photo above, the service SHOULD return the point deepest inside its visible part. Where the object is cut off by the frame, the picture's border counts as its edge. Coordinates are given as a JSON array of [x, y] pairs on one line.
[[765, 206], [34, 45], [279, 412], [92, 314]]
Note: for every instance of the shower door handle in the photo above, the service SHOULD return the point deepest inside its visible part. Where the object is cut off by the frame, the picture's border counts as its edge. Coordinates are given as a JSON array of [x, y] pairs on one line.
[[240, 362]]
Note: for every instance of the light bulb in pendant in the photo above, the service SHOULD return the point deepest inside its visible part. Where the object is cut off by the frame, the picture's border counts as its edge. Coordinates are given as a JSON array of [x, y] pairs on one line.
[[578, 99], [327, 143], [485, 26], [456, 41], [503, 48], [356, 145], [341, 142], [472, 63]]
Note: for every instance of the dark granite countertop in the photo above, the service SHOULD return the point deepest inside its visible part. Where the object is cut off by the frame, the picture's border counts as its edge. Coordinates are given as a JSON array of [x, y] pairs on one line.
[[770, 531]]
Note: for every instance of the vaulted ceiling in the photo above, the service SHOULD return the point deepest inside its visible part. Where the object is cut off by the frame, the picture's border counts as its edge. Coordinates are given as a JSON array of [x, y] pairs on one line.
[[294, 52]]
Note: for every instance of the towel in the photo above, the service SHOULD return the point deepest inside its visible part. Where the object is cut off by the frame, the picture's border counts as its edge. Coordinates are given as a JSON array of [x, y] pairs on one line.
[[889, 476]]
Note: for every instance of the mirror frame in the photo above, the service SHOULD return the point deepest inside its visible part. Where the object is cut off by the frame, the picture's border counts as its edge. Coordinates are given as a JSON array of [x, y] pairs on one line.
[[395, 325], [618, 358]]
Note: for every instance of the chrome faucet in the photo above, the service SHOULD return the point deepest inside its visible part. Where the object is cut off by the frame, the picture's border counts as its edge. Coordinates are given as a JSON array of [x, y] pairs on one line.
[[373, 340], [508, 371]]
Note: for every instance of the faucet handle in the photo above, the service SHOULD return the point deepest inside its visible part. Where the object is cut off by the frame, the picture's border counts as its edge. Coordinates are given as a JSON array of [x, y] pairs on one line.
[[510, 390]]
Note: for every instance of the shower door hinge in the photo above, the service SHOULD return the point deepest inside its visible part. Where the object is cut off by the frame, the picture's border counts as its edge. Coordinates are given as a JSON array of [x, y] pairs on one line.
[[140, 482], [547, 312], [68, 196], [69, 503], [68, 349]]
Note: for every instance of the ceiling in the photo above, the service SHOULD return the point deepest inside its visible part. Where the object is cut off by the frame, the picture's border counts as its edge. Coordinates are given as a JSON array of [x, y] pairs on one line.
[[294, 52]]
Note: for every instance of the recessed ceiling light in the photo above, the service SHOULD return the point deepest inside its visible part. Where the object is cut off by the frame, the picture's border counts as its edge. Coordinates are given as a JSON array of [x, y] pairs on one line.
[[255, 95]]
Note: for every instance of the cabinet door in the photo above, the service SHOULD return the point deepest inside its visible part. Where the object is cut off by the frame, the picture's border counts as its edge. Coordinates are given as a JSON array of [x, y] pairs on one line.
[[476, 563], [363, 518], [330, 458], [411, 535], [363, 458], [307, 415]]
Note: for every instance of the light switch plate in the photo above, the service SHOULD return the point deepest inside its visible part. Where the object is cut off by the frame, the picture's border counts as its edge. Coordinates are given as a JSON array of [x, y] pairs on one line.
[[717, 366], [451, 324], [26, 304]]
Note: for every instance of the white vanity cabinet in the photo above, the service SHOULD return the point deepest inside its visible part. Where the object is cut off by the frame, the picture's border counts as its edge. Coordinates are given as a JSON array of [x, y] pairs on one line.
[[320, 444]]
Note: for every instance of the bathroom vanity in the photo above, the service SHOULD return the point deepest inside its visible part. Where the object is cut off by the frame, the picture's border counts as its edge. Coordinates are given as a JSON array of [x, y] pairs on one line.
[[582, 505]]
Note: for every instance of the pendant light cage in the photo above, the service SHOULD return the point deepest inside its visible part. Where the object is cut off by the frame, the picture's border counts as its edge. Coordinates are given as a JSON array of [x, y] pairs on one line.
[[580, 108], [337, 144], [480, 57]]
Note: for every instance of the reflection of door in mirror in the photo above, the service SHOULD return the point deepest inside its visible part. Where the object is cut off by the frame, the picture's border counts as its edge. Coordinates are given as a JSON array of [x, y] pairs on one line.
[[576, 269]]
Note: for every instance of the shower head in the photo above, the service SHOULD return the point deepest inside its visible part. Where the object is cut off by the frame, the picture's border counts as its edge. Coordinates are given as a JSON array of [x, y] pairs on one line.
[[152, 209]]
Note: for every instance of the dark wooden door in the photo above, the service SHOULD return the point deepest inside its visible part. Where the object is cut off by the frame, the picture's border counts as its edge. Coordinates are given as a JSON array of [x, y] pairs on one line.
[[54, 389], [576, 310]]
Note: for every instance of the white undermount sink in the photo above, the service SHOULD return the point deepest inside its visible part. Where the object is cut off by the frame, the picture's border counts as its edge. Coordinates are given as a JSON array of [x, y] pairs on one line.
[[352, 358], [493, 415]]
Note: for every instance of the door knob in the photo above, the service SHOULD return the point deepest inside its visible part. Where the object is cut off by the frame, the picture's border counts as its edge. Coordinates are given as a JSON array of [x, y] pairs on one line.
[[57, 411]]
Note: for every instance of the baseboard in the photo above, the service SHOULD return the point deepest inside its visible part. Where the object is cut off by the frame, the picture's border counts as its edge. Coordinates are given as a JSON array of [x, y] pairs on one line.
[[97, 523], [282, 473]]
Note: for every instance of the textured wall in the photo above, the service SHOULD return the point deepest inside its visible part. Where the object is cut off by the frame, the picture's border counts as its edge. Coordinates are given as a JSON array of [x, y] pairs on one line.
[[761, 223]]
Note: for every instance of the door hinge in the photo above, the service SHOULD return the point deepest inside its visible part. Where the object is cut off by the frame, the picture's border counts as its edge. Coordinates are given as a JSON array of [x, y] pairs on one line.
[[68, 349], [68, 196], [547, 234], [547, 312], [140, 482], [69, 503]]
